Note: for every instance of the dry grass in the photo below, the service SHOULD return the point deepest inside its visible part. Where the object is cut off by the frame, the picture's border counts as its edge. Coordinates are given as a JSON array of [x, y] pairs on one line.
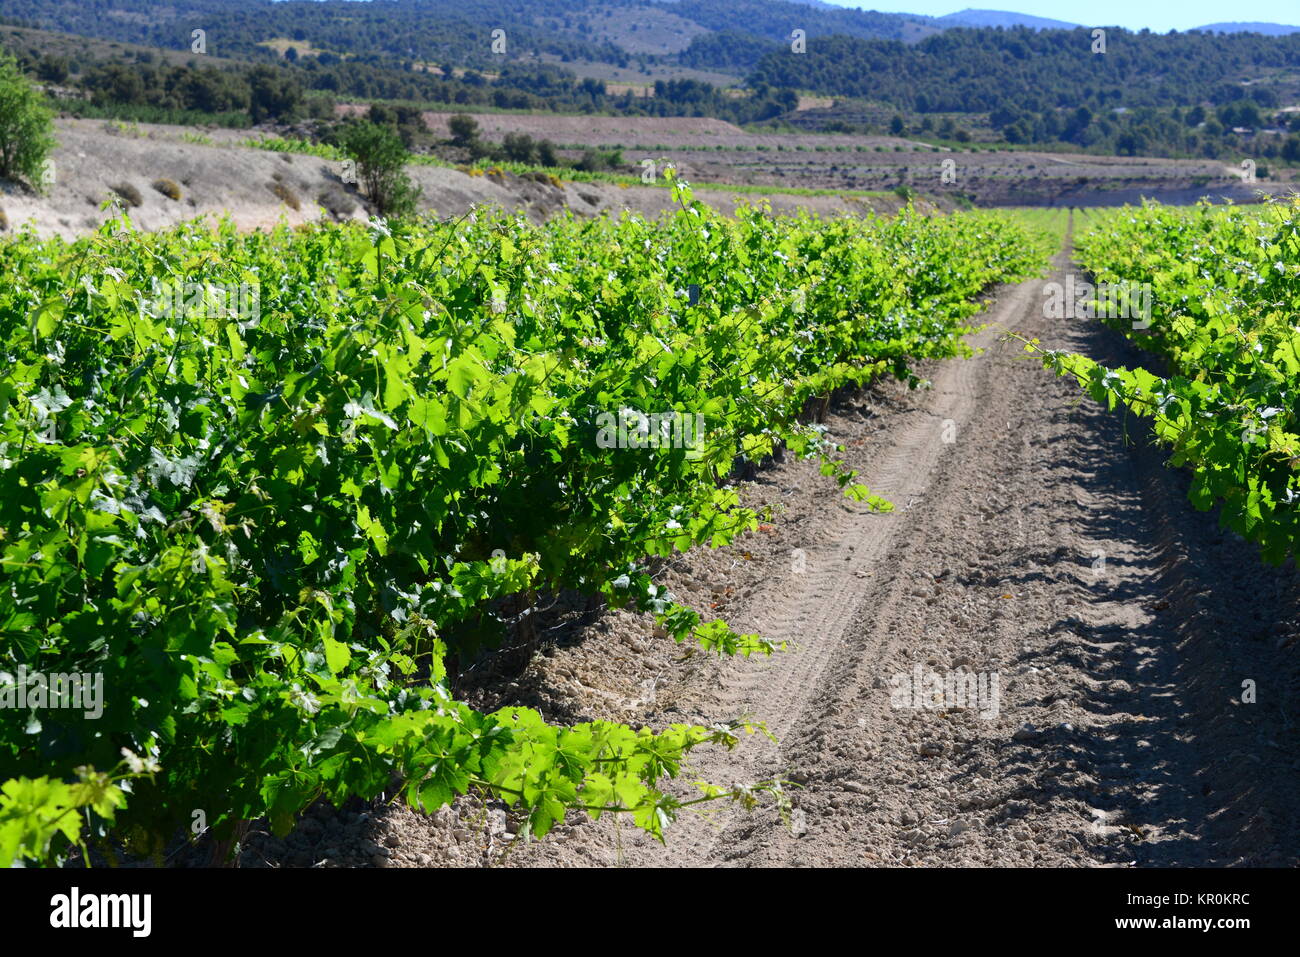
[[286, 195], [545, 179], [168, 188]]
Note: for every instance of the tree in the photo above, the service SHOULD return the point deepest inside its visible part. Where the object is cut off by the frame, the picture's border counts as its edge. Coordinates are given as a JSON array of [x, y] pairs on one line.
[[464, 129], [519, 147], [1291, 148], [26, 129], [52, 69], [406, 121], [273, 94], [381, 158]]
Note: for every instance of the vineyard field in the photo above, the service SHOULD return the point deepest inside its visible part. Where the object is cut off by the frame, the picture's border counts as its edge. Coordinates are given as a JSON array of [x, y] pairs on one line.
[[268, 487]]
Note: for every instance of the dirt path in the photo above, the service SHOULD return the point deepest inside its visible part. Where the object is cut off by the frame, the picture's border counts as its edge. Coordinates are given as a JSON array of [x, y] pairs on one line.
[[816, 608], [1033, 548]]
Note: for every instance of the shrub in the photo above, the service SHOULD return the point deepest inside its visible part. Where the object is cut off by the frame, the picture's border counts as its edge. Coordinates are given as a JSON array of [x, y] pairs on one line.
[[4, 221], [464, 129], [479, 150], [592, 160], [130, 195], [168, 188], [26, 136], [286, 195], [519, 147], [381, 159], [337, 202]]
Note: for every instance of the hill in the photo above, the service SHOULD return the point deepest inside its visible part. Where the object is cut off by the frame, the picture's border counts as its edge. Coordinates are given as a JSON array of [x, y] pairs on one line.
[[1267, 29], [1002, 18], [452, 32]]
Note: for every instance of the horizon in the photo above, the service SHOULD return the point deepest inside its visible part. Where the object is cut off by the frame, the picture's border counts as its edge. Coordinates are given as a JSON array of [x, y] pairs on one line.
[[1164, 17]]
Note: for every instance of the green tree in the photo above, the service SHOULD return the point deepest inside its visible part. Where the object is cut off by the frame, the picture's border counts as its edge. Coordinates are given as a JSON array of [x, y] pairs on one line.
[[519, 147], [546, 153], [273, 94], [381, 159], [406, 121], [52, 69], [26, 130], [464, 129]]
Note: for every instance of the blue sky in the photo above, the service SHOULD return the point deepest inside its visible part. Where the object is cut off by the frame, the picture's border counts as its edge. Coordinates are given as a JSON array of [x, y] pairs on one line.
[[1158, 15]]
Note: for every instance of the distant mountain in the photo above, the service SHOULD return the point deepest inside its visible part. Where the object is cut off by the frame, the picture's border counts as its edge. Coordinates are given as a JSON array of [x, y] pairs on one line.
[[1001, 18], [1268, 29], [460, 33]]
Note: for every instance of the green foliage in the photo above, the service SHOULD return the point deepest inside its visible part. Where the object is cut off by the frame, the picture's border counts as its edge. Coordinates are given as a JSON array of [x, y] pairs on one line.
[[381, 160], [1226, 289], [273, 94], [268, 529], [26, 127], [1047, 86], [406, 121], [594, 161], [463, 128]]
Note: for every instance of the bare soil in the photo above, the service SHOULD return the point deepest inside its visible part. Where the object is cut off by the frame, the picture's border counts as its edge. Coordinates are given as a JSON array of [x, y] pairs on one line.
[[1036, 538], [258, 188], [714, 151]]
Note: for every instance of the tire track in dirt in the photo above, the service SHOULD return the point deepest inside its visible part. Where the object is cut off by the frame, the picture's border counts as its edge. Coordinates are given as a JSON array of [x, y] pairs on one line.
[[812, 610]]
